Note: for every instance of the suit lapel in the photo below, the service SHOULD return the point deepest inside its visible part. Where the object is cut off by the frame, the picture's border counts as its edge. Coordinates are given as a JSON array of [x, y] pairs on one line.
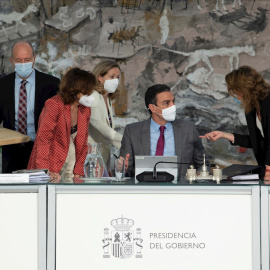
[[178, 140], [110, 110], [11, 101], [145, 137], [38, 87], [104, 109], [251, 121]]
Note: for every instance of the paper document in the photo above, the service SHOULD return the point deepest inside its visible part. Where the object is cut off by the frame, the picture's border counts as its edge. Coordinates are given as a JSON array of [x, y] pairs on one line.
[[35, 176], [245, 177], [8, 178], [248, 182]]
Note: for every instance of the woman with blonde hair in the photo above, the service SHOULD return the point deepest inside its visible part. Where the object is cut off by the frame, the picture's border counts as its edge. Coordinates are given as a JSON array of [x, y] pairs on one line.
[[250, 90], [101, 127]]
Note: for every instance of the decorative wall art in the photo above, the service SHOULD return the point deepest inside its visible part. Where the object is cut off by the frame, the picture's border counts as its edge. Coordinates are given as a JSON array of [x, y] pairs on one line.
[[188, 45]]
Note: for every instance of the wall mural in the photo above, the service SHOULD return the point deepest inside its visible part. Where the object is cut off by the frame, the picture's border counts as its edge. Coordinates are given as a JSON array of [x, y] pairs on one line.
[[188, 44]]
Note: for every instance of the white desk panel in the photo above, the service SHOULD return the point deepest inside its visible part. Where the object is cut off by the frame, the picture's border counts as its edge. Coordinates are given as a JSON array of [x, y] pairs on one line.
[[23, 227], [154, 228]]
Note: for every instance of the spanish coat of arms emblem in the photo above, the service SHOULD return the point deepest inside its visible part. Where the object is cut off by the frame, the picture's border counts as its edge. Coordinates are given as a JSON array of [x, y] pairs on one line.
[[122, 241]]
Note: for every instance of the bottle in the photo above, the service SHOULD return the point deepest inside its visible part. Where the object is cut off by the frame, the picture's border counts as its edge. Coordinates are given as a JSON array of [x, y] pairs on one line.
[[94, 164]]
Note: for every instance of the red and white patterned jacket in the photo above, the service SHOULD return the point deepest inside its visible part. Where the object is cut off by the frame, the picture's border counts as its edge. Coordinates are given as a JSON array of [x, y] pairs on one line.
[[53, 137]]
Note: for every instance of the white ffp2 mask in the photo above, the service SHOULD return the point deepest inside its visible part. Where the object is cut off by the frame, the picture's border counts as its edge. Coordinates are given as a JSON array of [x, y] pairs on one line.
[[111, 85], [169, 114], [86, 100]]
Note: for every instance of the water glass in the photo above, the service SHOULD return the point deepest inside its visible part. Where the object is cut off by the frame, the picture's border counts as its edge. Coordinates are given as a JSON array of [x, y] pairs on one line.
[[119, 165]]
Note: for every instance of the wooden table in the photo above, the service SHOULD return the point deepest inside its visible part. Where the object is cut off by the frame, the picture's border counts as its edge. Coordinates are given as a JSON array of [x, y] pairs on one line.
[[8, 136]]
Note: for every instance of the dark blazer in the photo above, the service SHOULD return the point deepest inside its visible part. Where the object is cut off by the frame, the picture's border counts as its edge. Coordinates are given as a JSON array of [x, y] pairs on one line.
[[259, 144], [188, 145], [46, 87]]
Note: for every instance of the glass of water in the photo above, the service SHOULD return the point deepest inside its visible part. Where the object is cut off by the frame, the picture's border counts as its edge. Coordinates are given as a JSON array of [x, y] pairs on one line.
[[119, 165]]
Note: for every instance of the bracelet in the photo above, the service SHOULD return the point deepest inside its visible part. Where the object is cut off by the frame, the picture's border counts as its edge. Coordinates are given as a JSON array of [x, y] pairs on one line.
[[267, 170]]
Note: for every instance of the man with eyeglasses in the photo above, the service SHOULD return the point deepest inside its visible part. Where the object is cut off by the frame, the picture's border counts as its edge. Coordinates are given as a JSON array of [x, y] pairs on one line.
[[23, 94]]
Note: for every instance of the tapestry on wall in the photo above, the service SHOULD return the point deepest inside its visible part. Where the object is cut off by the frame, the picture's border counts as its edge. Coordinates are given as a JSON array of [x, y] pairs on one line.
[[189, 45]]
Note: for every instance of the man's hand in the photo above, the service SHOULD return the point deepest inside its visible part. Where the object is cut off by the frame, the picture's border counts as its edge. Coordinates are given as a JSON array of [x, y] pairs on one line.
[[126, 161]]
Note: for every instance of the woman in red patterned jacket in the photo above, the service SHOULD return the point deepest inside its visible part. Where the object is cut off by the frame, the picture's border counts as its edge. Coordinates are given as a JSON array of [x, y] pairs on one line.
[[63, 127]]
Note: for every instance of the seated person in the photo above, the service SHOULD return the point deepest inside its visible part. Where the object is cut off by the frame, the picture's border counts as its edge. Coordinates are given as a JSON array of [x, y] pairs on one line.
[[161, 134], [63, 127]]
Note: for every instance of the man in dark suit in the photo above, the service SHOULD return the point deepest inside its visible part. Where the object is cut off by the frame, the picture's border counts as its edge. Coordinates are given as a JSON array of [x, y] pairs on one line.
[[177, 138], [38, 88]]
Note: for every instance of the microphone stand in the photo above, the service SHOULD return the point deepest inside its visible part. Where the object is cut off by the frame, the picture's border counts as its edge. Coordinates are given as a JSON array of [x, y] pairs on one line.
[[167, 162], [164, 176], [155, 166]]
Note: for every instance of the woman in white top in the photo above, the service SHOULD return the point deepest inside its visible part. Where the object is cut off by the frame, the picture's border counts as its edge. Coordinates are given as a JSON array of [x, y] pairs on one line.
[[101, 127], [252, 92]]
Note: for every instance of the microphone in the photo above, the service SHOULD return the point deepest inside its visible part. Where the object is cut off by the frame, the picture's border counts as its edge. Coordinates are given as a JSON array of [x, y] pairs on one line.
[[161, 176]]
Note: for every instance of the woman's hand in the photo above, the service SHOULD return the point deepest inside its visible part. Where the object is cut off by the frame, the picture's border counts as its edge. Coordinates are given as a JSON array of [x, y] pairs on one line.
[[267, 176], [54, 176], [78, 176], [215, 135], [267, 173]]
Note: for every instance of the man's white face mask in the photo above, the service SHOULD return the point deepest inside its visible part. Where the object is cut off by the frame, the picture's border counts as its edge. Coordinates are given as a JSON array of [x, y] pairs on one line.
[[168, 114]]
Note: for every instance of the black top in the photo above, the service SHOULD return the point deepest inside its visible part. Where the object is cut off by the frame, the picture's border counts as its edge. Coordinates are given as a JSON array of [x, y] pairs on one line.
[[255, 140]]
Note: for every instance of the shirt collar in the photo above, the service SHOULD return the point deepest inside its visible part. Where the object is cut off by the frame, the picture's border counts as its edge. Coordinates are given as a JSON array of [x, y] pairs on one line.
[[30, 79], [156, 126]]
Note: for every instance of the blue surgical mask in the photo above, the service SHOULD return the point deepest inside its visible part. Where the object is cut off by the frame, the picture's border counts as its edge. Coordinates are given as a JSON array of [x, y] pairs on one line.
[[237, 100], [24, 70]]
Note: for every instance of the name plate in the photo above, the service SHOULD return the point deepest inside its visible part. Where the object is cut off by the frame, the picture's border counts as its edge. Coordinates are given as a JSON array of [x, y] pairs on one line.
[[7, 178]]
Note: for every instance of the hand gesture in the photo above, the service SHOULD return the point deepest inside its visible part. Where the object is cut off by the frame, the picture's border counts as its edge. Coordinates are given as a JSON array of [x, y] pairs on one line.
[[213, 136]]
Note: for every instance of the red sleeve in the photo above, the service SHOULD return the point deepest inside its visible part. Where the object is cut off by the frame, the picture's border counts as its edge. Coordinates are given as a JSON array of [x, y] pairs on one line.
[[46, 127], [81, 142]]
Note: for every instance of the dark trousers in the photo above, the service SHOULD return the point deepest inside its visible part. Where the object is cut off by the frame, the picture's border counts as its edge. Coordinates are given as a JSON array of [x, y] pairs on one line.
[[16, 156]]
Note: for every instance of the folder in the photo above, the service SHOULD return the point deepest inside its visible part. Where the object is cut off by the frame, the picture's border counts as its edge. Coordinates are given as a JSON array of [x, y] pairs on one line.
[[240, 169]]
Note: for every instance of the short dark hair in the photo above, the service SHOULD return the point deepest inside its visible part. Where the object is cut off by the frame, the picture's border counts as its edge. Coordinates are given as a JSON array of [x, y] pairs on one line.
[[76, 81], [151, 94]]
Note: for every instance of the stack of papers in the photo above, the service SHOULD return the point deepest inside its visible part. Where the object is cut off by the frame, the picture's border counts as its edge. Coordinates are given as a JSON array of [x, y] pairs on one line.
[[9, 178], [35, 176], [244, 177]]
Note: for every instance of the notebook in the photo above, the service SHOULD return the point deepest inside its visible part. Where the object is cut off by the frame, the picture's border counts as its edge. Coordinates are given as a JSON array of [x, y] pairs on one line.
[[239, 169]]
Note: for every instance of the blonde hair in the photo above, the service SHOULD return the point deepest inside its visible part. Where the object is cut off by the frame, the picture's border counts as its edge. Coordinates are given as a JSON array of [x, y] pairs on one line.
[[101, 69], [250, 84]]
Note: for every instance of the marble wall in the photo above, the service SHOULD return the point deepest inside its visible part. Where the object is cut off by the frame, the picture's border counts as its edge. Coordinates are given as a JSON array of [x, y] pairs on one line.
[[189, 45]]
